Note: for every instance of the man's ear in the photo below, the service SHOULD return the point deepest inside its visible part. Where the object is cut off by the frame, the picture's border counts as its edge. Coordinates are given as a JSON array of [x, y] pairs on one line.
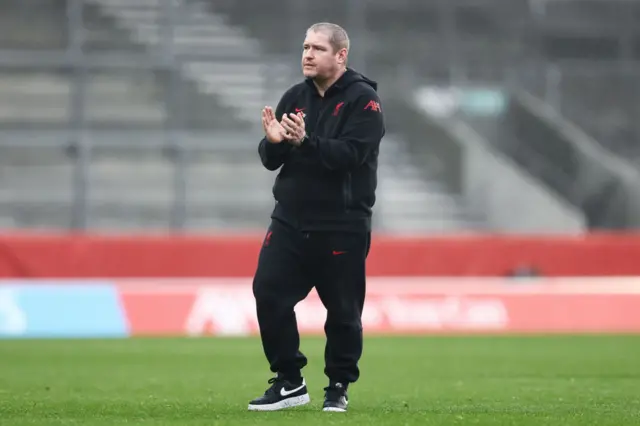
[[342, 56]]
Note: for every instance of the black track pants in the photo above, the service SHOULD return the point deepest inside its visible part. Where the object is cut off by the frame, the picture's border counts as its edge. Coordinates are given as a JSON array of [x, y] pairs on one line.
[[291, 263]]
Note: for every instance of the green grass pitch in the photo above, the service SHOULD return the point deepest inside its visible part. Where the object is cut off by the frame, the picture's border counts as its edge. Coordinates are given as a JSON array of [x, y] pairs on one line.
[[559, 380]]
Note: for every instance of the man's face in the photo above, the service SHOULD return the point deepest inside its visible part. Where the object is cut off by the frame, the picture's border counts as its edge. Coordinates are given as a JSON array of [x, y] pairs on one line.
[[319, 61]]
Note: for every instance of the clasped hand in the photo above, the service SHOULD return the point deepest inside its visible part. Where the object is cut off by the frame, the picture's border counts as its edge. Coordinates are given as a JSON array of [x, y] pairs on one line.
[[290, 129]]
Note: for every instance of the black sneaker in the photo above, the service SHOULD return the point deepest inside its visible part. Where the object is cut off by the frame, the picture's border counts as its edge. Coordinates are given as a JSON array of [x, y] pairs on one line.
[[335, 398], [282, 394]]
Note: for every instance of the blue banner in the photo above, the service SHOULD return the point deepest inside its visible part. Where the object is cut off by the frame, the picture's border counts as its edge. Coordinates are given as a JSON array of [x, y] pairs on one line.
[[56, 309]]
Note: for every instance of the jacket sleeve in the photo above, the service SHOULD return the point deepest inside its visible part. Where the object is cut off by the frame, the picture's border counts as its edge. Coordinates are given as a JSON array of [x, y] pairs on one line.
[[360, 137], [273, 155]]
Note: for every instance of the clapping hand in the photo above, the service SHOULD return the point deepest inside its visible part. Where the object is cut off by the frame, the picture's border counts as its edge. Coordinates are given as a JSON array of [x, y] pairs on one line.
[[272, 128], [294, 126]]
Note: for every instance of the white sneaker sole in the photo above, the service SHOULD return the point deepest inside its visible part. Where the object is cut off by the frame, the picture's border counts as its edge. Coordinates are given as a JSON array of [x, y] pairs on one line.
[[334, 410], [294, 401]]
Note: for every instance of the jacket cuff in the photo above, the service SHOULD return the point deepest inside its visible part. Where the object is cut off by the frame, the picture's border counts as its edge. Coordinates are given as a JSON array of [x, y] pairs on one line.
[[275, 147], [308, 144]]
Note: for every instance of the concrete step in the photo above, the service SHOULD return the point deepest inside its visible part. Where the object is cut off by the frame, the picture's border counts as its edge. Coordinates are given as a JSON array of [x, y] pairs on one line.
[[135, 3]]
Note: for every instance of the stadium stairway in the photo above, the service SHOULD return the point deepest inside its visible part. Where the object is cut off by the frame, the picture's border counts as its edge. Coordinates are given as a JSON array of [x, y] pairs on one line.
[[219, 59], [132, 178], [410, 202], [234, 70]]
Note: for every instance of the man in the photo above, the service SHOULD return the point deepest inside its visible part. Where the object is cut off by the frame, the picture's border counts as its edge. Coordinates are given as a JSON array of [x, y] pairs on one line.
[[325, 133]]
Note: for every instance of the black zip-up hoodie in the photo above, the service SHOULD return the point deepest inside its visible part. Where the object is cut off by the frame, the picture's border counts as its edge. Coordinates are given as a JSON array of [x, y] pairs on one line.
[[329, 182]]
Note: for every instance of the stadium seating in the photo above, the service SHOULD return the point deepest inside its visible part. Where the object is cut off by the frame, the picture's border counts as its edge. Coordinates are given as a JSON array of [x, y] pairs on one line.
[[601, 96], [606, 103], [403, 32], [230, 63], [132, 176]]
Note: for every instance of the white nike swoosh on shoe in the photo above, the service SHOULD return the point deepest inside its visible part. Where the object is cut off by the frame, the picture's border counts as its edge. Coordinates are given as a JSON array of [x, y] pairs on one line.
[[284, 392]]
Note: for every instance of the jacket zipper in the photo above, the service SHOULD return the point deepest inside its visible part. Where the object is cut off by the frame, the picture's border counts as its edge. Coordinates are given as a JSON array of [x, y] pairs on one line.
[[346, 187], [346, 192], [319, 111]]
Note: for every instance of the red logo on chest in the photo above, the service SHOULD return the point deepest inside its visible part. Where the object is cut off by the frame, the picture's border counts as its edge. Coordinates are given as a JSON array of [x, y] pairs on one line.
[[337, 109], [301, 112]]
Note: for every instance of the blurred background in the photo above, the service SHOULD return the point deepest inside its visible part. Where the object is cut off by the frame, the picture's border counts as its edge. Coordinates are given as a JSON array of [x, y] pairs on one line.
[[502, 115], [133, 201]]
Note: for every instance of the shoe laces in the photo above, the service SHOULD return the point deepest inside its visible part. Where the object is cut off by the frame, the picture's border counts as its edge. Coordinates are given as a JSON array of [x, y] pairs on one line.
[[274, 382]]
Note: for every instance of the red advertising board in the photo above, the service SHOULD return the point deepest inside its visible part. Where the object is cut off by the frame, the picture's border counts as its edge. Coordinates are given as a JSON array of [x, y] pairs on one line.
[[161, 256], [396, 306]]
